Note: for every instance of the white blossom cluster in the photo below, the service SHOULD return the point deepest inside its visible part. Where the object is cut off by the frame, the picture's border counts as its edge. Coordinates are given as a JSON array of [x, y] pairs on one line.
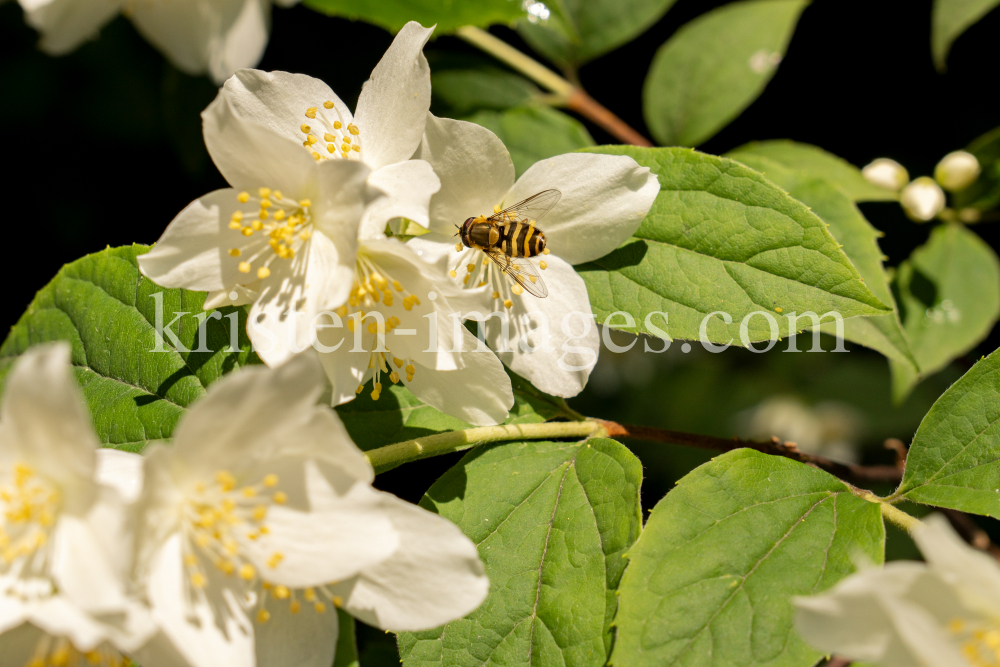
[[234, 544], [301, 235]]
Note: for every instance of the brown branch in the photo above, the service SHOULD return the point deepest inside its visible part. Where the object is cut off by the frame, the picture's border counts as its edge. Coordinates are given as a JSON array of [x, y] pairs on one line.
[[585, 105], [847, 471], [837, 661]]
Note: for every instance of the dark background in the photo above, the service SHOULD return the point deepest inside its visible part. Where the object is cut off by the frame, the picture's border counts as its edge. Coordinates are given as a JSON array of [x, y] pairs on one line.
[[103, 147]]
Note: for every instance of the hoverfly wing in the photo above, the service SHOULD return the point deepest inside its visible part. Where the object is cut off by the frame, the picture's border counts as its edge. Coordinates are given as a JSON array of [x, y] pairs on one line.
[[532, 208], [520, 270]]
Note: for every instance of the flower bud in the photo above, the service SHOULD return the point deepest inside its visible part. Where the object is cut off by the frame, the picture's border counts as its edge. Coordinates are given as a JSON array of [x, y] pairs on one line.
[[957, 171], [886, 173], [922, 199]]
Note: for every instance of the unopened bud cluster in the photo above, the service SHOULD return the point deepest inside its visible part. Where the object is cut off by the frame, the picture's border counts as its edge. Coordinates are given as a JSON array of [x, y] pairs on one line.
[[923, 198]]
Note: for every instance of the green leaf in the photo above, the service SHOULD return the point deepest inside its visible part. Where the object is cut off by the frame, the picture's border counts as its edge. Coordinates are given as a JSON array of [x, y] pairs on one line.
[[950, 19], [721, 237], [106, 309], [534, 133], [949, 299], [580, 30], [448, 15], [709, 581], [347, 645], [714, 67], [984, 194], [551, 521], [813, 162], [467, 90], [883, 333], [399, 415], [954, 460]]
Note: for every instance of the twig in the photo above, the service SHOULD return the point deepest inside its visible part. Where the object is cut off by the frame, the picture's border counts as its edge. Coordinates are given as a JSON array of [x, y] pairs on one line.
[[899, 447], [572, 96], [837, 661], [971, 532], [875, 473]]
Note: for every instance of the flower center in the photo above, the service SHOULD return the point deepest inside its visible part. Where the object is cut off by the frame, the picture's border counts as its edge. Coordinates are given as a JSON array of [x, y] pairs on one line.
[[217, 517], [287, 224], [313, 597], [340, 140], [28, 508], [979, 643], [59, 652], [373, 291]]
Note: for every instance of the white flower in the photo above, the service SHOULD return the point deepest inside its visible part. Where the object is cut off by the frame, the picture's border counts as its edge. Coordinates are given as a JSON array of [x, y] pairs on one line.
[[886, 173], [922, 199], [261, 517], [63, 535], [306, 174], [553, 341], [957, 170], [942, 613], [214, 37]]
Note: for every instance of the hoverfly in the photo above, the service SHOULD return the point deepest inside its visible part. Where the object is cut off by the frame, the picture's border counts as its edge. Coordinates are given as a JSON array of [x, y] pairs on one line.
[[509, 237]]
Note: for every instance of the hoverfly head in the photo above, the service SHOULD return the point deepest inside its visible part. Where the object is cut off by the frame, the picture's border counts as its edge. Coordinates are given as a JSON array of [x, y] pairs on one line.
[[463, 231]]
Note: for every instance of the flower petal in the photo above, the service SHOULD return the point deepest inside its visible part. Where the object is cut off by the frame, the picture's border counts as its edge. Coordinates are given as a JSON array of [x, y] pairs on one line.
[[82, 565], [604, 198], [408, 187], [66, 24], [281, 322], [205, 37], [45, 422], [206, 635], [563, 360], [975, 574], [193, 252], [474, 167], [221, 298], [344, 531], [279, 101], [434, 577], [13, 611], [478, 393], [305, 639], [393, 105], [439, 251], [251, 155]]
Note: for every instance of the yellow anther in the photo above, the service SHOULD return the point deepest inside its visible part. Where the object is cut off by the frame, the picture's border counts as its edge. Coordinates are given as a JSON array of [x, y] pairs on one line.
[[517, 289], [266, 203], [234, 224], [453, 274], [310, 140], [320, 608], [247, 572], [295, 606], [546, 251], [198, 580], [542, 265], [225, 480], [282, 592], [496, 294], [337, 601], [276, 194], [243, 197], [458, 247], [329, 137], [350, 325], [328, 104], [394, 376], [508, 303], [372, 328], [305, 203], [311, 112], [237, 216], [347, 140], [331, 148], [190, 559], [496, 208], [227, 566], [342, 311], [356, 148], [337, 125], [271, 480], [410, 369], [248, 491], [397, 286], [263, 272], [264, 192], [263, 616], [375, 395], [353, 129], [533, 279], [482, 283], [316, 156], [470, 268], [235, 252], [465, 281], [305, 128], [398, 362], [247, 231], [275, 559], [279, 214], [60, 656], [257, 224], [281, 497]]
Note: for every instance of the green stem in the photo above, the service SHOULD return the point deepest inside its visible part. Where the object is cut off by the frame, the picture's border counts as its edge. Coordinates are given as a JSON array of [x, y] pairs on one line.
[[893, 515], [524, 64], [390, 456]]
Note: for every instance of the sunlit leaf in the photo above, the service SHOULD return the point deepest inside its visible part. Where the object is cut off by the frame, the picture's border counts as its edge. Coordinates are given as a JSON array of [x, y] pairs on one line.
[[714, 67], [710, 579]]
